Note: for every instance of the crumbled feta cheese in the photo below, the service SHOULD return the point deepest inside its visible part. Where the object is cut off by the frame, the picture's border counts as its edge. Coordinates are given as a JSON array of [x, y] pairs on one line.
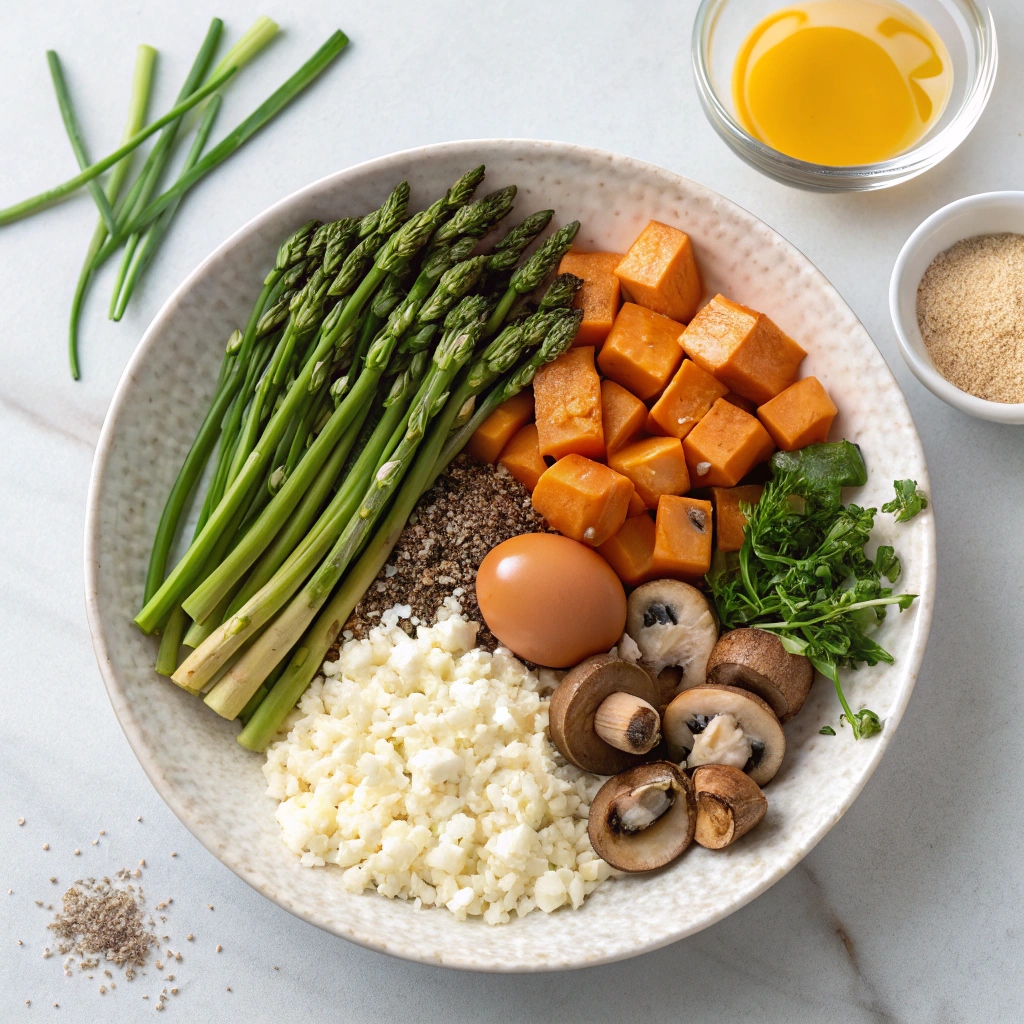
[[422, 768]]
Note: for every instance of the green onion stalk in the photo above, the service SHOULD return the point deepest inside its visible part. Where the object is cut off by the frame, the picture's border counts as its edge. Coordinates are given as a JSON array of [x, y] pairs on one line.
[[138, 104]]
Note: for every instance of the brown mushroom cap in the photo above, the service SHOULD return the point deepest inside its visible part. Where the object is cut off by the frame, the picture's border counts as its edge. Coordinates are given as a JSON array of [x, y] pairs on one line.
[[729, 805], [755, 660], [753, 715], [575, 702], [660, 842]]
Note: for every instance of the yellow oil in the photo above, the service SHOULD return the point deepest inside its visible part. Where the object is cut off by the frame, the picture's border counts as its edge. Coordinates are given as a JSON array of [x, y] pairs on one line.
[[841, 82]]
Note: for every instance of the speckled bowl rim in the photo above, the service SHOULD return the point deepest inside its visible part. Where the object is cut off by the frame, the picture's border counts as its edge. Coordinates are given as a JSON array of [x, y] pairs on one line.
[[910, 663]]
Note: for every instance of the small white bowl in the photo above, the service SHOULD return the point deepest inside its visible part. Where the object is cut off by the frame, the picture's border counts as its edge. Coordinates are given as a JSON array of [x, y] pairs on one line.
[[986, 214]]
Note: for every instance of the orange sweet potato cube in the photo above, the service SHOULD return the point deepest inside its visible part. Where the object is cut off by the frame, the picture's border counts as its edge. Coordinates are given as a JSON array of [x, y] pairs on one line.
[[642, 350], [743, 349], [741, 403], [599, 296], [636, 505], [522, 458], [682, 538], [687, 399], [729, 519], [659, 272], [622, 414], [655, 465], [583, 499], [567, 395], [497, 430], [799, 416], [630, 552], [725, 446]]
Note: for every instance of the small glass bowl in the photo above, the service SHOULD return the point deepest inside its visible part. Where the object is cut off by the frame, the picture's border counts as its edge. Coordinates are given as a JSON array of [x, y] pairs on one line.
[[966, 28]]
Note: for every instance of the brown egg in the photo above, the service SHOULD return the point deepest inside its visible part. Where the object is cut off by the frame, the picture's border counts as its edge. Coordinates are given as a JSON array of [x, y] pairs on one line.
[[550, 600]]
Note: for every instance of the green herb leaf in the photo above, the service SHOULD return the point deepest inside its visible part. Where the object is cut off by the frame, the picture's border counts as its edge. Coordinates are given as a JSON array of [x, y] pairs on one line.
[[803, 572], [908, 501], [827, 730]]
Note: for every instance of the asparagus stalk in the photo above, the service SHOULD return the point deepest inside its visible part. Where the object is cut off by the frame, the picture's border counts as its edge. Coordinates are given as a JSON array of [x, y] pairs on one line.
[[529, 276], [45, 199], [142, 82], [304, 663], [266, 602], [177, 584], [72, 127], [238, 684], [393, 254]]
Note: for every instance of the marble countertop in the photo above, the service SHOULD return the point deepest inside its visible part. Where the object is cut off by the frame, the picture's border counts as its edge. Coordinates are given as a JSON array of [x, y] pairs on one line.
[[907, 911]]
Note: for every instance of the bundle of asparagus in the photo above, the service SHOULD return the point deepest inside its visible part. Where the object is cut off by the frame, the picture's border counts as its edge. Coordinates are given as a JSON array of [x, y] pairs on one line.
[[376, 347]]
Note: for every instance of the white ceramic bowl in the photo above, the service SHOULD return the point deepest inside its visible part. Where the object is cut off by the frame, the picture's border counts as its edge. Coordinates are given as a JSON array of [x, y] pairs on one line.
[[988, 213], [217, 789]]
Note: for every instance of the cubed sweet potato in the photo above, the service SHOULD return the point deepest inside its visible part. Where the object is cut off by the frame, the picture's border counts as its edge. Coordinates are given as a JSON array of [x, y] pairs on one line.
[[642, 350], [622, 415], [522, 458], [497, 430], [743, 349], [729, 520], [599, 296], [725, 446], [799, 416], [630, 551], [659, 272], [567, 395], [636, 505], [687, 399], [741, 403], [682, 539], [583, 499], [656, 465]]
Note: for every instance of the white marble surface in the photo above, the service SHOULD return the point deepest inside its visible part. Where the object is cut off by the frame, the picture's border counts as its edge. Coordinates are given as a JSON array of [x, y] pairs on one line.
[[907, 911]]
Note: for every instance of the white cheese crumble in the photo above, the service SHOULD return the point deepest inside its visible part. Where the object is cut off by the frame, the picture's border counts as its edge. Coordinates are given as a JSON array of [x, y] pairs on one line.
[[424, 769]]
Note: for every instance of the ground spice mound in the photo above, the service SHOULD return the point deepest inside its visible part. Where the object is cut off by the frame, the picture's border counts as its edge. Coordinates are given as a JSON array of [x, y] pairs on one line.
[[470, 509], [98, 919], [970, 308]]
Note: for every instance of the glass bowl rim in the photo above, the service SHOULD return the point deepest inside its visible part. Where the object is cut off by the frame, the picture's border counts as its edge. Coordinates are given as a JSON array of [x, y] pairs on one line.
[[920, 157]]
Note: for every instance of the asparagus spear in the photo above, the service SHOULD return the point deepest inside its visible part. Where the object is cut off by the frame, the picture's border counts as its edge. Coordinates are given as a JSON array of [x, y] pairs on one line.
[[316, 642], [142, 82], [404, 242], [451, 286], [464, 325]]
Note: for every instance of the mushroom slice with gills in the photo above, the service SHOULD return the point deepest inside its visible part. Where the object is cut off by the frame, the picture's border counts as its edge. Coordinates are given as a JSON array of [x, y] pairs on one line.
[[755, 660], [603, 715], [729, 805], [672, 624], [644, 817], [714, 724]]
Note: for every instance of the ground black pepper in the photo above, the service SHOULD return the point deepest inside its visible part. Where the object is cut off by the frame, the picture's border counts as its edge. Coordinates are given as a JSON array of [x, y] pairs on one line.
[[470, 509]]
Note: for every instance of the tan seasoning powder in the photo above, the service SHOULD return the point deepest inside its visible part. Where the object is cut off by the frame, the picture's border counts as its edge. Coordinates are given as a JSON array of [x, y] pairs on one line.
[[970, 308]]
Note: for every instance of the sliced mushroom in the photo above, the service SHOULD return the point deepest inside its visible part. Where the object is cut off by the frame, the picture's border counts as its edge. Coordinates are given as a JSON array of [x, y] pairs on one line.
[[673, 625], [729, 805], [755, 660], [742, 730], [601, 737], [643, 818]]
